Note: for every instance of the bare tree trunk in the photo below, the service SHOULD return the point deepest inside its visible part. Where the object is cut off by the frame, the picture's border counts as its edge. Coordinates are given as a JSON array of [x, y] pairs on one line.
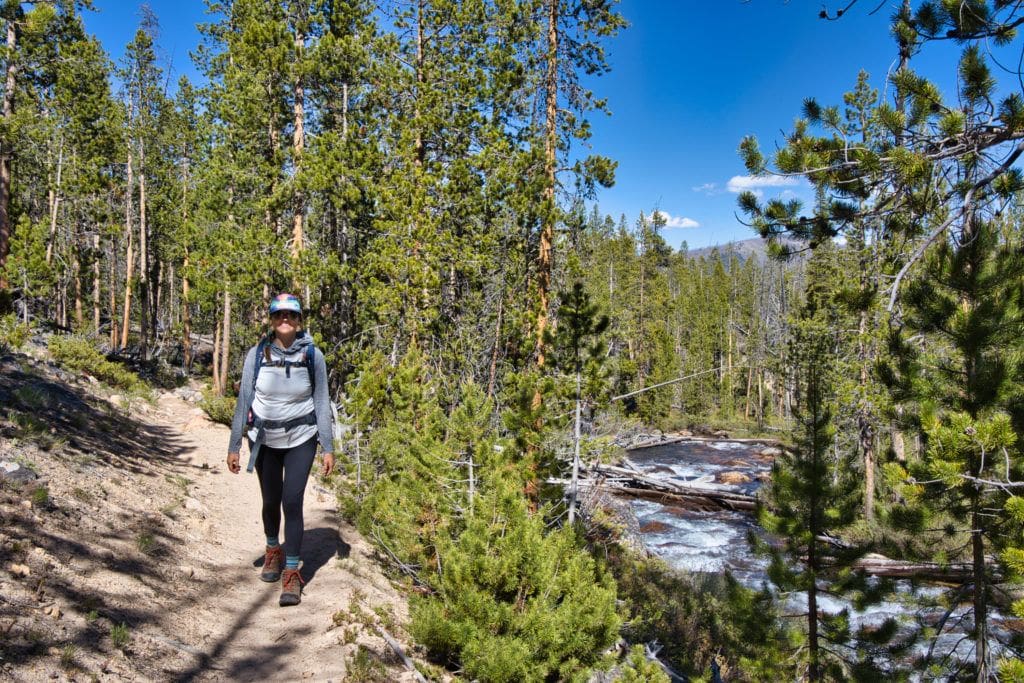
[[492, 374], [77, 269], [96, 283], [54, 200], [225, 348], [6, 148], [145, 294], [217, 388], [574, 485], [112, 294], [547, 233], [298, 142], [129, 263], [186, 318]]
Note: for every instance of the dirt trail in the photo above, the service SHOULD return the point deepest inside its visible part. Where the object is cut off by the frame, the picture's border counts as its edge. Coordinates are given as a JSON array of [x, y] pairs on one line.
[[144, 526], [237, 624]]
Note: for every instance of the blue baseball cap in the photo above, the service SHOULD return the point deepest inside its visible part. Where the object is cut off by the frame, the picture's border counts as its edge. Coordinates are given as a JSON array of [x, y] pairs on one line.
[[285, 302]]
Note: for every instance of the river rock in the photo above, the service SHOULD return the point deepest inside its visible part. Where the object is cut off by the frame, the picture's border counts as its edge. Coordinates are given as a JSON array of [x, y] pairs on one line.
[[654, 528], [12, 471], [733, 478], [771, 452]]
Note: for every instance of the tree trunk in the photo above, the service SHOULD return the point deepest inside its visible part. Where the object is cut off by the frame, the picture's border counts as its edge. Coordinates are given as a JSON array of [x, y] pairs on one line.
[[6, 148], [112, 294], [215, 370], [145, 295], [186, 319], [54, 197], [981, 650], [298, 144], [129, 263], [547, 233], [96, 283], [225, 341], [76, 267], [574, 485]]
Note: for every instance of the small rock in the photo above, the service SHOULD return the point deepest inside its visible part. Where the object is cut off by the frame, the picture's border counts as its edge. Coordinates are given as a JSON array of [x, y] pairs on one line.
[[53, 611], [193, 504], [733, 478], [19, 570], [771, 452], [12, 471], [720, 434], [117, 400], [187, 571], [91, 379]]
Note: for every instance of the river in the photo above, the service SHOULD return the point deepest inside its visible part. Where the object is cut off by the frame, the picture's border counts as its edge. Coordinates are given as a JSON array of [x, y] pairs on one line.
[[717, 541]]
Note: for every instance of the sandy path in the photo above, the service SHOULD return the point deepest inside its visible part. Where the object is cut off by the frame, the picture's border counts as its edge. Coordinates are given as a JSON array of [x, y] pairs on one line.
[[230, 627]]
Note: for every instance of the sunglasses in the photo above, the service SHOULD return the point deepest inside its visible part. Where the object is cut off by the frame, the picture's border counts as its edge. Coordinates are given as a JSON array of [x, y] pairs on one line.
[[281, 315]]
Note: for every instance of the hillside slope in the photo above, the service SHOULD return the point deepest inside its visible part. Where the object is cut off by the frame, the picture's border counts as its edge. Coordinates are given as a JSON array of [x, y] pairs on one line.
[[134, 555]]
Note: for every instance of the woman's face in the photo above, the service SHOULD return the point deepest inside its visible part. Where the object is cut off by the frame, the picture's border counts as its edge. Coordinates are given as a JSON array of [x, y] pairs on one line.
[[285, 322]]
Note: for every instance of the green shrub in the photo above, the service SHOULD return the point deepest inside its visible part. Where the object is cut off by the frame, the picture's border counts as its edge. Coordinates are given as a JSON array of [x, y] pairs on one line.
[[516, 601], [120, 636], [13, 334], [40, 496], [639, 669], [78, 354], [220, 409]]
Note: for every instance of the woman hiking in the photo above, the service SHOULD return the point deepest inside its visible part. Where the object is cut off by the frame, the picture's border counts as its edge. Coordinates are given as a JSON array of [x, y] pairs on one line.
[[284, 408]]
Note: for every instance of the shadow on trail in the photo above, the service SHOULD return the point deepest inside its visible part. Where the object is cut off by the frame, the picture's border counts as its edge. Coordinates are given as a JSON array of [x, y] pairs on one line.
[[318, 547], [260, 665]]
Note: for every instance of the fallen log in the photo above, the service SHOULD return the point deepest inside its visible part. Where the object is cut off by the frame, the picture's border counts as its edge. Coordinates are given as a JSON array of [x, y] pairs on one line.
[[623, 481], [955, 572]]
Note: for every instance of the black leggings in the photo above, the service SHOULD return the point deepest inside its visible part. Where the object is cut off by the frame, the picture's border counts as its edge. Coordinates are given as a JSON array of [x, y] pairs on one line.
[[283, 473]]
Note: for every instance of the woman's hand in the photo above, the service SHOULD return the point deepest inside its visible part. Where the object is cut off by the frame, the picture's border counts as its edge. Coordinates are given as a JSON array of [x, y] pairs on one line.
[[328, 465], [233, 463]]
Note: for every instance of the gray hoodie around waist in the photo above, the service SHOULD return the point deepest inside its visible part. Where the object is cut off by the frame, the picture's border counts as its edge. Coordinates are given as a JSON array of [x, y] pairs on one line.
[[321, 397]]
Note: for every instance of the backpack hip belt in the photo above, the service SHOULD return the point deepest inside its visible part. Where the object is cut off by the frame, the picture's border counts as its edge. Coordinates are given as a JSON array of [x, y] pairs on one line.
[[262, 425]]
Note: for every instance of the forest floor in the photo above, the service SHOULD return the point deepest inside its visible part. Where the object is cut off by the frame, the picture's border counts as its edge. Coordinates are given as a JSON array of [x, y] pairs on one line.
[[134, 554]]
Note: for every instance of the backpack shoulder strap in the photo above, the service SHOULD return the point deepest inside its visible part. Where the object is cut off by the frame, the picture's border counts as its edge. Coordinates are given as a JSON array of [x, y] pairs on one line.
[[258, 362], [310, 357]]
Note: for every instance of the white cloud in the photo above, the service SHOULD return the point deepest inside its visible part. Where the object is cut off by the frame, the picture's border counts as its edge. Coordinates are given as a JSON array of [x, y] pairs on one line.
[[742, 183], [677, 221], [706, 188]]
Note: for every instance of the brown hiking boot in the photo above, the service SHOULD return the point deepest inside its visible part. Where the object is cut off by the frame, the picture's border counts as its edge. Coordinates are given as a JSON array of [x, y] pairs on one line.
[[272, 562], [291, 587]]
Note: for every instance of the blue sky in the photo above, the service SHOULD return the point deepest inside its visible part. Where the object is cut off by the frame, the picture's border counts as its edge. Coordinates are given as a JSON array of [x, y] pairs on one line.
[[689, 79]]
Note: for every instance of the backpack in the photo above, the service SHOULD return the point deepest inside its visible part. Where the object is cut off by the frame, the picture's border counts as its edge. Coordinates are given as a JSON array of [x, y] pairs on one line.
[[306, 362]]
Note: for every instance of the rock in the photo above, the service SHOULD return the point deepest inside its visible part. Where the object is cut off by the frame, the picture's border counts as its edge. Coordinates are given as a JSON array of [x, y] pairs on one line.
[[117, 400], [770, 452], [193, 504], [738, 463], [53, 611], [655, 528], [187, 571], [19, 570], [720, 434], [733, 478], [12, 471]]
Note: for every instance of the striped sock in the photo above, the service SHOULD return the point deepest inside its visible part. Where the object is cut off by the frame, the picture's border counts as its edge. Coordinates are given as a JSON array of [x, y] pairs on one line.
[[272, 542], [291, 562]]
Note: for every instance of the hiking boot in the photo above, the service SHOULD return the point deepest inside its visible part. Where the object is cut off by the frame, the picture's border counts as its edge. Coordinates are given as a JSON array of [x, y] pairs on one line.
[[272, 562], [291, 587]]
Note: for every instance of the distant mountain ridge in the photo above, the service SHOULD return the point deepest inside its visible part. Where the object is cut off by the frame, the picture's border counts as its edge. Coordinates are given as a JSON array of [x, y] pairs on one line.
[[755, 247], [744, 249]]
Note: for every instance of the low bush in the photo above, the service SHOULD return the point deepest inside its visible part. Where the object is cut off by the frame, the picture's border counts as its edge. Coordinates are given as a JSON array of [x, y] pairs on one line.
[[218, 408], [77, 353], [13, 334]]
